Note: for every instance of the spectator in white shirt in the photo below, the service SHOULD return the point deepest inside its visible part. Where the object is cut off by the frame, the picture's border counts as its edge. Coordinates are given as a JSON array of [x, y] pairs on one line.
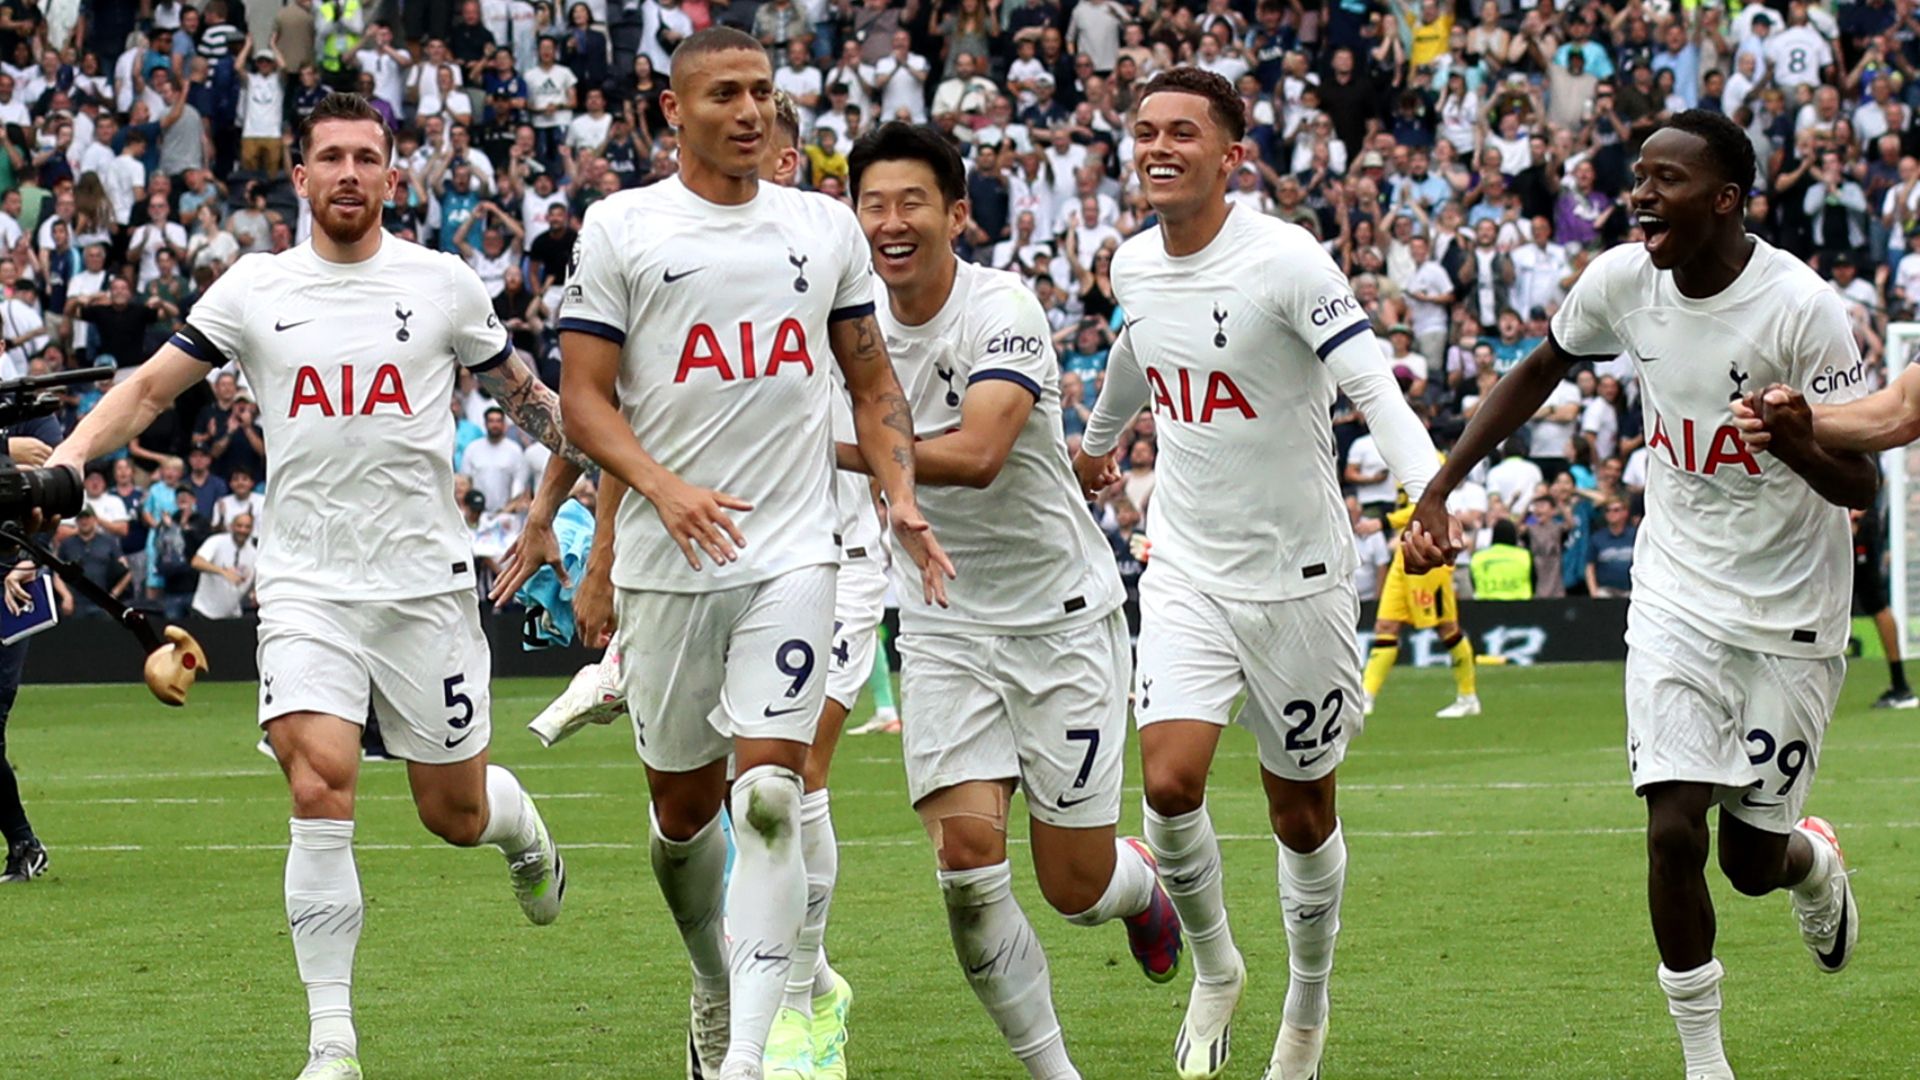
[[1515, 479], [497, 465], [901, 78], [588, 132], [226, 563], [388, 65], [1370, 545], [1538, 270], [243, 498]]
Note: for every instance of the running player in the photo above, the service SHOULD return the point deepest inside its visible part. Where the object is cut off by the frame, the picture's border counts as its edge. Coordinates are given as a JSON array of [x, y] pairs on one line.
[[694, 319], [1022, 681], [366, 576], [1739, 618], [1241, 330]]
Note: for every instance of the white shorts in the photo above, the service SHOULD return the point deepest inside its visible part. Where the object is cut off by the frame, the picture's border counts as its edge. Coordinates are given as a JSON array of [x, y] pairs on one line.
[[1298, 662], [1703, 711], [703, 669], [1048, 710], [423, 664], [858, 604]]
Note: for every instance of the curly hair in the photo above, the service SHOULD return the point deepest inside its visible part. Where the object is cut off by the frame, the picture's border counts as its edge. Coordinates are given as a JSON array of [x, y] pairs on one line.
[[1223, 101]]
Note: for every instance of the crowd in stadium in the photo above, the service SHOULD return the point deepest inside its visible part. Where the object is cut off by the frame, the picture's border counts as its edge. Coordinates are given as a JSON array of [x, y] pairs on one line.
[[1463, 163]]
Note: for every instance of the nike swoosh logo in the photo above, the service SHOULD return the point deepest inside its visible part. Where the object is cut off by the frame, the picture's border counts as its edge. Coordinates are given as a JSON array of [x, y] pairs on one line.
[[1063, 804], [670, 277], [770, 712], [453, 742], [1307, 762], [279, 326], [1746, 800], [1832, 957]]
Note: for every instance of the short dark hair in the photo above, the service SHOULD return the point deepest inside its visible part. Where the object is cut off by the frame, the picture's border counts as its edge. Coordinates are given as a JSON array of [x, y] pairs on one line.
[[897, 140], [342, 106], [1223, 101], [1727, 145], [715, 39]]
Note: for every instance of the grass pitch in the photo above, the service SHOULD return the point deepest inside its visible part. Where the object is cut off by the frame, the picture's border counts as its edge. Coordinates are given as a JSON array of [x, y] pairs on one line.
[[1494, 924]]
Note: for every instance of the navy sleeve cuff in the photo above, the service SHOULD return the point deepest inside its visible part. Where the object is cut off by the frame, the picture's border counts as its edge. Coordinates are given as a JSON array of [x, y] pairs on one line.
[[1007, 375], [596, 328], [505, 354], [857, 311], [1341, 338]]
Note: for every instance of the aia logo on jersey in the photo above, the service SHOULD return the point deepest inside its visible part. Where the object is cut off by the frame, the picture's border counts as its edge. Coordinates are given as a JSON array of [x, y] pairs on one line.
[[1700, 453], [1831, 379], [385, 388], [702, 351], [1216, 394]]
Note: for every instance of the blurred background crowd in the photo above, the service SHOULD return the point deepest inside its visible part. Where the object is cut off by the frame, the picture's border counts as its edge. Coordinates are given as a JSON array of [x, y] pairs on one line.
[[1462, 161]]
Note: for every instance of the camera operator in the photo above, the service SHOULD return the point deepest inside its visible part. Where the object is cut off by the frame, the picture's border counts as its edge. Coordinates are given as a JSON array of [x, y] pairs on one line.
[[28, 444]]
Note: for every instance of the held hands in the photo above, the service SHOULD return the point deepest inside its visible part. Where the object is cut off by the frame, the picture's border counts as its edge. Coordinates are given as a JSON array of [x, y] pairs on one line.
[[697, 520], [916, 536], [1433, 538], [1777, 420], [1096, 474]]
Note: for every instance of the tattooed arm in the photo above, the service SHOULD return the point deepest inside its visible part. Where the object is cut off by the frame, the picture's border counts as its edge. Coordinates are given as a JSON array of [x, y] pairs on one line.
[[883, 422], [536, 408]]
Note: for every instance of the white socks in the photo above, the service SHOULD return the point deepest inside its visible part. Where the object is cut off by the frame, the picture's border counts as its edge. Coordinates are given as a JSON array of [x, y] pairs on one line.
[[324, 913], [819, 850], [1189, 858], [1005, 966], [766, 904], [690, 873], [1693, 997], [1129, 890], [1820, 873], [512, 822], [1310, 890]]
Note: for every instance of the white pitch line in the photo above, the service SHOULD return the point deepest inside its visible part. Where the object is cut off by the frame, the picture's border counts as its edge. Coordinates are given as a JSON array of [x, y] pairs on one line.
[[920, 841]]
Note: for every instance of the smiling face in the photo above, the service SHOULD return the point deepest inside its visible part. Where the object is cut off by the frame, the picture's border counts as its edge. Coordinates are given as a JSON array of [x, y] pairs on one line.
[[722, 105], [909, 225], [1678, 192], [1182, 153]]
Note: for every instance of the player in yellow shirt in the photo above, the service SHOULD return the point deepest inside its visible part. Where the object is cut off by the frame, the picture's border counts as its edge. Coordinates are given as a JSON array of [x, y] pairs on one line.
[[1423, 600]]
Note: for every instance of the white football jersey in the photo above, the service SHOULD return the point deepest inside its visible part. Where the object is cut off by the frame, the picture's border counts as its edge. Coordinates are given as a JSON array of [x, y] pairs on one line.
[[1735, 545], [352, 366], [722, 313], [1232, 340], [1030, 558]]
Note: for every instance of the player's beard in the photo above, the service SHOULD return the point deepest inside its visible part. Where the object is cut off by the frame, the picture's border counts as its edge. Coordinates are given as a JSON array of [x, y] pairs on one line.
[[346, 225]]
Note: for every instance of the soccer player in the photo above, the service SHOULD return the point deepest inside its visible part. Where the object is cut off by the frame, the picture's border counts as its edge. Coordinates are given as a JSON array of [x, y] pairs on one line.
[[693, 323], [1739, 619], [366, 577], [1022, 679], [1240, 330]]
